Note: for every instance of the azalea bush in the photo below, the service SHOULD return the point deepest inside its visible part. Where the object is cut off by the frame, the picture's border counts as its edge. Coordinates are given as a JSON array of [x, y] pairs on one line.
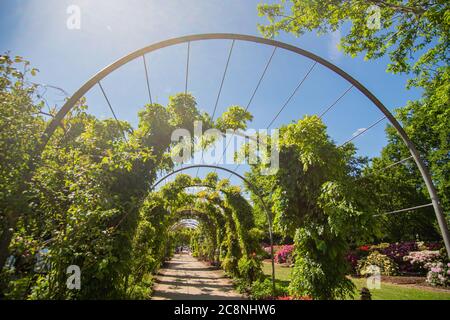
[[387, 265], [438, 274], [353, 256], [419, 259], [284, 254], [397, 251]]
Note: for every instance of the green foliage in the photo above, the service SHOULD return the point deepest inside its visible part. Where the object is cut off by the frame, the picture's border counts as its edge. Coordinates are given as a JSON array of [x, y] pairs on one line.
[[142, 290], [427, 123], [183, 112], [89, 202], [89, 199], [21, 125], [250, 268], [320, 268], [262, 289], [234, 118]]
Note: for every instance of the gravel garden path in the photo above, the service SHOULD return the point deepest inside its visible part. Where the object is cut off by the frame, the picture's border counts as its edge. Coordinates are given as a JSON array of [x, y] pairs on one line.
[[184, 277]]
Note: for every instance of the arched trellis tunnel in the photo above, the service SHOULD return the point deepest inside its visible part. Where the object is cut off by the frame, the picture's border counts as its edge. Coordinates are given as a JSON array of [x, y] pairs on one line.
[[70, 103], [255, 190], [277, 44]]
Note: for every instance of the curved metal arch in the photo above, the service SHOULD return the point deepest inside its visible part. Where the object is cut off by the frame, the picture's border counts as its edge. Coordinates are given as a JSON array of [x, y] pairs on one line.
[[192, 211], [203, 185], [255, 190], [230, 36], [183, 216], [180, 224]]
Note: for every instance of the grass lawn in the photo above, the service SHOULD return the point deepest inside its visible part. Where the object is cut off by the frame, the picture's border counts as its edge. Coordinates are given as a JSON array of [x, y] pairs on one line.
[[387, 292]]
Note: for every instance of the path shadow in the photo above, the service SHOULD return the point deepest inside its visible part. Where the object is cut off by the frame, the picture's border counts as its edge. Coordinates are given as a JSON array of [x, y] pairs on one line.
[[183, 296]]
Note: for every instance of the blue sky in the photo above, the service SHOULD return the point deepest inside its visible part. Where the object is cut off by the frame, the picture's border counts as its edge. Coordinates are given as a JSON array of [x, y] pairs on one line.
[[36, 30]]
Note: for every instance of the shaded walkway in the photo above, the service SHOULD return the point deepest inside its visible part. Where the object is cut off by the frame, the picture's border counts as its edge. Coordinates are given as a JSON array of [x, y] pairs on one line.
[[185, 277]]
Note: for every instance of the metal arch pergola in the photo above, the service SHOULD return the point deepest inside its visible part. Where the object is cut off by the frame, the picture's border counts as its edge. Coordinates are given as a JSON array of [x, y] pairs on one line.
[[96, 80], [56, 121]]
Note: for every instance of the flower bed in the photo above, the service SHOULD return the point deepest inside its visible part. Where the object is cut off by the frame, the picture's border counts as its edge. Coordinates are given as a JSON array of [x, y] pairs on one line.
[[397, 253], [406, 258]]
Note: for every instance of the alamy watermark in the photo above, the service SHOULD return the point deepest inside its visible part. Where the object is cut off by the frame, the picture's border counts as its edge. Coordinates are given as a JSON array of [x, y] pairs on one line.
[[74, 279], [73, 21], [374, 280], [259, 146], [373, 21]]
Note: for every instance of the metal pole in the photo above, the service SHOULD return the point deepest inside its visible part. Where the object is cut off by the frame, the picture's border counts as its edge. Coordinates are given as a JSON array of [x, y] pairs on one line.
[[434, 197]]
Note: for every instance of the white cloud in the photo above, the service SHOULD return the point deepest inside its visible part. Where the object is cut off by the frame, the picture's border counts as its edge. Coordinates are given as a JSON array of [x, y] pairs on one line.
[[358, 131], [333, 51]]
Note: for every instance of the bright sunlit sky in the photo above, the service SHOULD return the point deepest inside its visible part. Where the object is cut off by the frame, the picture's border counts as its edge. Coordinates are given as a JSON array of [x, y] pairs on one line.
[[110, 29]]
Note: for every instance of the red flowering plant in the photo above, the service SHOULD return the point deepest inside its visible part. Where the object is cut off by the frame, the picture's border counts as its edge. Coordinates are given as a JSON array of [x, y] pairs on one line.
[[357, 254]]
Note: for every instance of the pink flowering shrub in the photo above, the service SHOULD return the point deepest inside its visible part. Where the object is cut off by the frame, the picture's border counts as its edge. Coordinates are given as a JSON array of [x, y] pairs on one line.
[[420, 258], [284, 255], [438, 274]]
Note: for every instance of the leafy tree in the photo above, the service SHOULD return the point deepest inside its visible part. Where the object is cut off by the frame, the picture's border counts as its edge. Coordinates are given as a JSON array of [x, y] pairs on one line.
[[415, 37], [317, 199], [414, 33], [234, 118], [21, 124], [427, 123]]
